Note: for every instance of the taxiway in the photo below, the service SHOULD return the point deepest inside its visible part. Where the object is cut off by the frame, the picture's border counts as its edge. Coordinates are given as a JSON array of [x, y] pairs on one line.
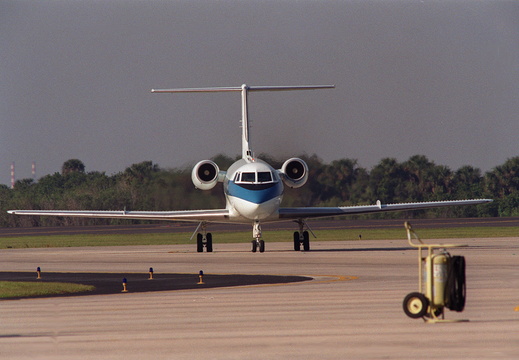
[[351, 309]]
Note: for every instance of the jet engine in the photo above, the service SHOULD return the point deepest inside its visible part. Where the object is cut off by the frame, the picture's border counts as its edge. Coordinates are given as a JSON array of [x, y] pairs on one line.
[[205, 175], [294, 172]]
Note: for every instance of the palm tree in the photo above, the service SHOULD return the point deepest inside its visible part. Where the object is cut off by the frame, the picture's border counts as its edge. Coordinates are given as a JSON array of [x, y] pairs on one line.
[[72, 166]]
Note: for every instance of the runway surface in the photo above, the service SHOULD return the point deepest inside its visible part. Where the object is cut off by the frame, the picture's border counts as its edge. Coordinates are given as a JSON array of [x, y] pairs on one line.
[[351, 309]]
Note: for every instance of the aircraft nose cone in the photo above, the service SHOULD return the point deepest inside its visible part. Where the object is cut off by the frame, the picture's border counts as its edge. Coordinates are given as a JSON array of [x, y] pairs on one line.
[[254, 211]]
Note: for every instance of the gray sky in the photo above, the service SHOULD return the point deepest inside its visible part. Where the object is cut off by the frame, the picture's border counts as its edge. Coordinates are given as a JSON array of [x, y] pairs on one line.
[[438, 78]]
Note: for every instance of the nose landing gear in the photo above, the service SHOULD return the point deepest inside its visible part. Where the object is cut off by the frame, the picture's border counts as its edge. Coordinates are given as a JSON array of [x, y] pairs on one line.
[[257, 243]]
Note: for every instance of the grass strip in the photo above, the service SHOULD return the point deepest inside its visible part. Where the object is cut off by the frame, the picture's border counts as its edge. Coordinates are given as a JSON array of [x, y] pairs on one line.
[[52, 241], [13, 289]]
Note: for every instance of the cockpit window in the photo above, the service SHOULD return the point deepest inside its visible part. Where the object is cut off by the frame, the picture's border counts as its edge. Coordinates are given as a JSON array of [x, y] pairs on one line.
[[248, 177], [260, 177], [264, 176]]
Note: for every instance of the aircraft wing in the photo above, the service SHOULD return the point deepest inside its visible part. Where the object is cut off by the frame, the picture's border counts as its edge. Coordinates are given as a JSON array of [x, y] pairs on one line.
[[222, 215], [314, 212], [214, 215]]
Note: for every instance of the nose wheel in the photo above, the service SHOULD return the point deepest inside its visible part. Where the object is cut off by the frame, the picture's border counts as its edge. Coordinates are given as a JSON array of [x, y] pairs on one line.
[[258, 244]]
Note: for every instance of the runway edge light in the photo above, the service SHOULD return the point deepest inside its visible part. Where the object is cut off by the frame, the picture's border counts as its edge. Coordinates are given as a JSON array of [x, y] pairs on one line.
[[201, 278], [125, 283]]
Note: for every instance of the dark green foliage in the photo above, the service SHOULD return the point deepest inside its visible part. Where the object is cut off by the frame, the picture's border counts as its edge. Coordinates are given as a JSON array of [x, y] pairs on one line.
[[146, 186], [72, 165], [502, 183]]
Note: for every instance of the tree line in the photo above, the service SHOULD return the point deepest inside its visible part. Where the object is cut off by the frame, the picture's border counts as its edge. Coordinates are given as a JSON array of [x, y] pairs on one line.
[[146, 186]]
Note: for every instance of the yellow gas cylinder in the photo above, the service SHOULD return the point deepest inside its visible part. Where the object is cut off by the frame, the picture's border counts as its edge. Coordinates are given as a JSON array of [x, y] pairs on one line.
[[436, 292]]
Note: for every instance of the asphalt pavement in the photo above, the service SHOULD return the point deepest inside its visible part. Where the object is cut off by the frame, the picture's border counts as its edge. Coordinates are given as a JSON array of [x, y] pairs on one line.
[[112, 283]]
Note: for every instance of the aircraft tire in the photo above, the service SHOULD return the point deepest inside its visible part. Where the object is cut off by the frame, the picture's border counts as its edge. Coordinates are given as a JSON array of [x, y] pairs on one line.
[[209, 244], [306, 241], [254, 246], [262, 246], [297, 243], [199, 243]]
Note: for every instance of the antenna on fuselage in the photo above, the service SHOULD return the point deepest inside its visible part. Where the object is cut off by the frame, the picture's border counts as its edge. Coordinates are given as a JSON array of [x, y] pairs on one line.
[[244, 89]]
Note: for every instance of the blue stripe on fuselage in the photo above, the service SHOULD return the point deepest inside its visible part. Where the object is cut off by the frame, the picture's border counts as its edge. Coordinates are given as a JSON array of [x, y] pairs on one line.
[[255, 193]]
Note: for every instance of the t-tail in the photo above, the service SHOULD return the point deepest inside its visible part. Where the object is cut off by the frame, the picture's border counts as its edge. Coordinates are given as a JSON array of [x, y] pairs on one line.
[[245, 89]]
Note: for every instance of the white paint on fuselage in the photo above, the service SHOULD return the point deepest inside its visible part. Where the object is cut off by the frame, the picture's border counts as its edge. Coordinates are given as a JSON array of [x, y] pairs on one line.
[[242, 210], [246, 211]]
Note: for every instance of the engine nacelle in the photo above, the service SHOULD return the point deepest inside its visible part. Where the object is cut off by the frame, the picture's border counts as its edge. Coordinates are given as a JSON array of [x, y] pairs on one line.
[[205, 175], [294, 172]]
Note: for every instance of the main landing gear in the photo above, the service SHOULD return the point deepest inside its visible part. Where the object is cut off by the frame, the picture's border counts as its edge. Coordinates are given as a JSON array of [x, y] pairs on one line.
[[302, 237], [203, 239]]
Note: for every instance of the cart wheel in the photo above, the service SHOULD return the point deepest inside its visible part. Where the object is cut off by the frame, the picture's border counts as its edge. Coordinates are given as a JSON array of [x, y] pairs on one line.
[[415, 305]]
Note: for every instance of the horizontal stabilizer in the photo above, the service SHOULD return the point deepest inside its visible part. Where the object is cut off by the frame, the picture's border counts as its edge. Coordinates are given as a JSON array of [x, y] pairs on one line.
[[244, 89], [248, 88]]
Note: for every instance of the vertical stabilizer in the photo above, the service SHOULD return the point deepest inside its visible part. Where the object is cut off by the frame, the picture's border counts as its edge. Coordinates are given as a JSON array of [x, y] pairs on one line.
[[246, 151]]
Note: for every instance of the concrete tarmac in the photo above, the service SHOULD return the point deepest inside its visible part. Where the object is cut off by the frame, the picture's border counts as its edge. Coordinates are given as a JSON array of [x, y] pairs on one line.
[[352, 309]]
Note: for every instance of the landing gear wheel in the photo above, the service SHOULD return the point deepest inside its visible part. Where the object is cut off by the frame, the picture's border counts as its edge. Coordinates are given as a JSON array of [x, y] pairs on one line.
[[258, 244], [415, 305], [199, 243], [261, 246], [306, 241], [297, 242], [209, 242]]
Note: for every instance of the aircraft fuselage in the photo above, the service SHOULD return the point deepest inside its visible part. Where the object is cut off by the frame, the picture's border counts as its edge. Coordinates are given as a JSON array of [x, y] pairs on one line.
[[253, 191]]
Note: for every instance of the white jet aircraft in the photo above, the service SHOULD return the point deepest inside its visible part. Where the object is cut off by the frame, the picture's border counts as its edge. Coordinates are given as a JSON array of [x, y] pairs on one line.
[[253, 190]]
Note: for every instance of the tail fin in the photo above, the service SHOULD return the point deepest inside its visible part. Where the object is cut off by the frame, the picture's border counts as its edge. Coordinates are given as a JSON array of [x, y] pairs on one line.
[[244, 89]]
